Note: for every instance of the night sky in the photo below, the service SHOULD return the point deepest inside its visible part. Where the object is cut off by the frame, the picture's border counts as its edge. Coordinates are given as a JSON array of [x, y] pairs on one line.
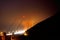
[[24, 14]]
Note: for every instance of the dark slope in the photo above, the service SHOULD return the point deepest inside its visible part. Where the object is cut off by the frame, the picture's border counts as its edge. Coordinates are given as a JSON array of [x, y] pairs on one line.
[[48, 27], [44, 30]]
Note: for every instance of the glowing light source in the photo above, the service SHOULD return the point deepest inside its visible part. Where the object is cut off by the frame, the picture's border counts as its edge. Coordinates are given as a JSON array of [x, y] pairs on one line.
[[9, 34], [1, 33], [25, 34], [19, 32]]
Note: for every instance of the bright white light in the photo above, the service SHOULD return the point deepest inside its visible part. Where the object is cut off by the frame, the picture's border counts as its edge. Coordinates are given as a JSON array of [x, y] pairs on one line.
[[19, 32], [9, 34]]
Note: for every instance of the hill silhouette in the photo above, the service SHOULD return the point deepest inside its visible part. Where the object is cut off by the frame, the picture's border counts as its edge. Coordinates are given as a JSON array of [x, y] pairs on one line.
[[44, 29], [48, 27]]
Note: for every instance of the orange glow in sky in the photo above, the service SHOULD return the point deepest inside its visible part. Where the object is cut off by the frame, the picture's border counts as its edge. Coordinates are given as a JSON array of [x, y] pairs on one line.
[[27, 24], [22, 15]]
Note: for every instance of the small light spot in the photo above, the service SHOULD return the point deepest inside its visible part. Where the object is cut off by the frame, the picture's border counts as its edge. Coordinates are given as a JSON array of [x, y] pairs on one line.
[[25, 34], [23, 16]]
